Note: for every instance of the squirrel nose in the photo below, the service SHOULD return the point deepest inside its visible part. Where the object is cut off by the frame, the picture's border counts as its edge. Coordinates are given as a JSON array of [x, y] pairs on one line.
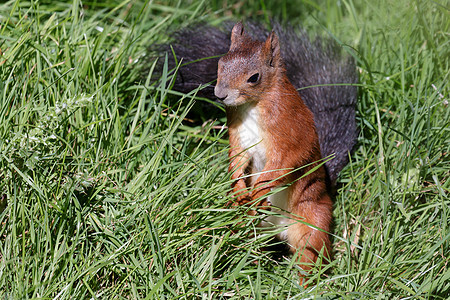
[[220, 93]]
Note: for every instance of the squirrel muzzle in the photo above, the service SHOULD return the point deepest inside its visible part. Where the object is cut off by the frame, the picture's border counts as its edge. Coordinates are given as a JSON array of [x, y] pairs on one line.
[[220, 92]]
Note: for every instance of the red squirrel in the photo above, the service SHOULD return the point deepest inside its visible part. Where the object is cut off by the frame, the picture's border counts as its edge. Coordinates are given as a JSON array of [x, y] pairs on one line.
[[274, 135], [273, 138]]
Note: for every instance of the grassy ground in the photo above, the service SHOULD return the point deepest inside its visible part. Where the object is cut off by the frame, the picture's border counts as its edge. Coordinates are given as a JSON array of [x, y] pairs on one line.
[[108, 190]]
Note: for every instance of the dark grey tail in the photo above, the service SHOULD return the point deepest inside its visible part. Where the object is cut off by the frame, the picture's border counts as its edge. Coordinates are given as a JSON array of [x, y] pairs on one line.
[[308, 64]]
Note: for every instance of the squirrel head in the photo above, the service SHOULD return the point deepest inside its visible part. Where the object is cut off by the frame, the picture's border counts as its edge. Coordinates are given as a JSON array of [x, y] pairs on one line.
[[249, 69]]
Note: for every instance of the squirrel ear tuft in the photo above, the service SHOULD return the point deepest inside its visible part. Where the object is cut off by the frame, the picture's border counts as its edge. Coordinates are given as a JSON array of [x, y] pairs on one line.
[[272, 50], [237, 35]]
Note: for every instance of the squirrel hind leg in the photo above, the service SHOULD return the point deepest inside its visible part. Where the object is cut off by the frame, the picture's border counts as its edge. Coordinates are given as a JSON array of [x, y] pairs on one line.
[[303, 237]]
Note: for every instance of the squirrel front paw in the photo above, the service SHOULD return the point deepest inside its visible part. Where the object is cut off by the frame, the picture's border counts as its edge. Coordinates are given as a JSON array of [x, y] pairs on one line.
[[261, 201], [240, 200]]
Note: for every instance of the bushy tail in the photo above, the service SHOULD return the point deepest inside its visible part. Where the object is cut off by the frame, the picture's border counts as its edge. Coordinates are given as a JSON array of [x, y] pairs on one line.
[[307, 63]]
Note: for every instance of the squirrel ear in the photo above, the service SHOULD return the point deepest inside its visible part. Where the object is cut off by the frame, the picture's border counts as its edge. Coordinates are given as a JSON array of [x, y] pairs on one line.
[[272, 50], [236, 35]]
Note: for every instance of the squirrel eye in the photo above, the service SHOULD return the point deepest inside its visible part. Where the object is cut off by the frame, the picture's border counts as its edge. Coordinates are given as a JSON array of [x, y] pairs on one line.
[[254, 78]]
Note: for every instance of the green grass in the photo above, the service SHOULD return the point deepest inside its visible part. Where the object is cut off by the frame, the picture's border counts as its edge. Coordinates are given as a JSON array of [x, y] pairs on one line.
[[108, 190]]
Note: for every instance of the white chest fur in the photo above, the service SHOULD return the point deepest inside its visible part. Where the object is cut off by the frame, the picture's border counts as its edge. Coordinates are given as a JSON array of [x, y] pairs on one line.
[[251, 140]]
